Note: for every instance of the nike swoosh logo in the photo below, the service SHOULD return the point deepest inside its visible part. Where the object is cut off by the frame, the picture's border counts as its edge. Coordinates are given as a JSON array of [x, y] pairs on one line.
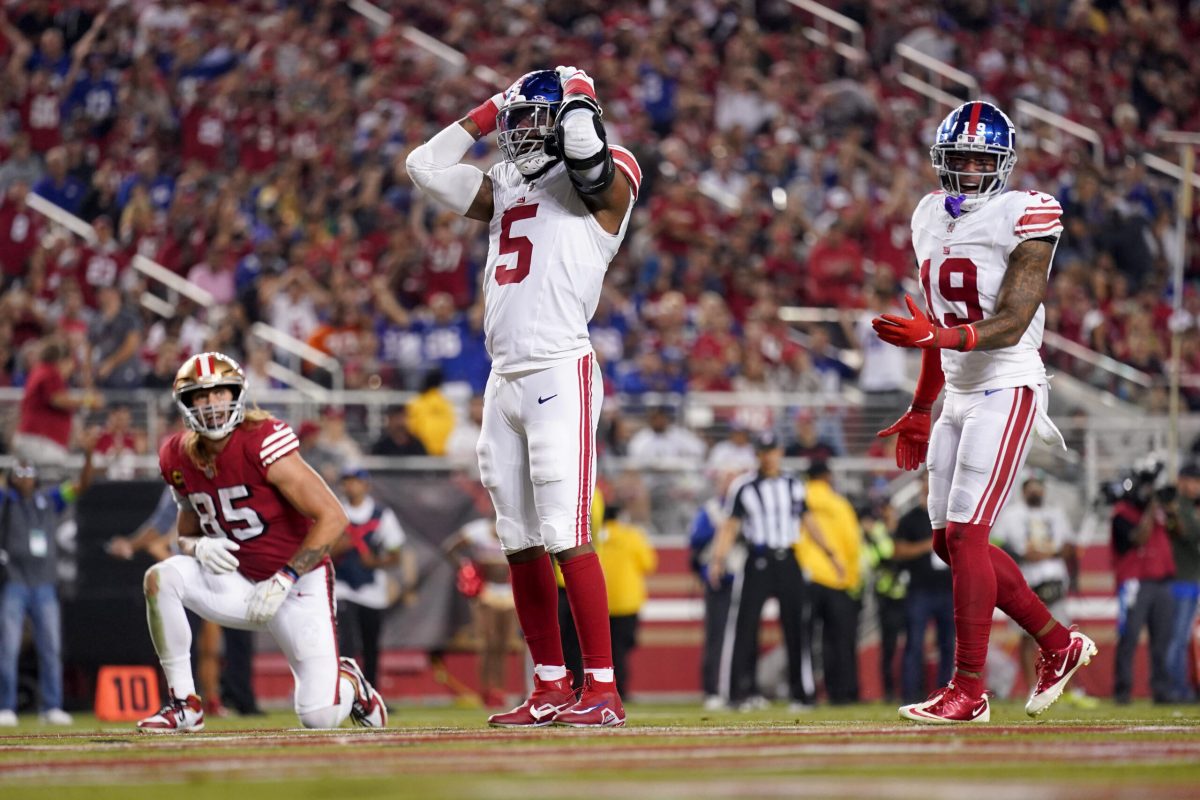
[[544, 711], [1058, 673], [990, 392], [545, 399], [927, 337], [979, 709]]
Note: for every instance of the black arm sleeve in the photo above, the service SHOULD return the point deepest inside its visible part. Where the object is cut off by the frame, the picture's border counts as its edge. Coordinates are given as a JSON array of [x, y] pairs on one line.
[[1122, 534], [578, 167]]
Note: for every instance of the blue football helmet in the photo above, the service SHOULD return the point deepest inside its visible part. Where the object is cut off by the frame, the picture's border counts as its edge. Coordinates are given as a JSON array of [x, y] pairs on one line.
[[526, 118], [972, 128]]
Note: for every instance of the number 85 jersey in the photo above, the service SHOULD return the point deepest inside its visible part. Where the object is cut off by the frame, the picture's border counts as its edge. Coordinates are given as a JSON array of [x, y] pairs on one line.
[[547, 256], [962, 264], [235, 500]]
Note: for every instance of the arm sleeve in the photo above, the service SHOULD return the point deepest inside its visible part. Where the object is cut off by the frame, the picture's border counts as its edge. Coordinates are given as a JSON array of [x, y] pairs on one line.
[[434, 168], [163, 517], [931, 380]]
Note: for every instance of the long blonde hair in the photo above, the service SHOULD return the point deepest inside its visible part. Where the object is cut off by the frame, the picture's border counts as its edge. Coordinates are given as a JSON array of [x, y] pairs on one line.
[[198, 454]]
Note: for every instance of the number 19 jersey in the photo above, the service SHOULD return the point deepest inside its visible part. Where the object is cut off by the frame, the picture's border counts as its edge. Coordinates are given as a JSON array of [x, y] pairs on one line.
[[962, 264], [547, 256]]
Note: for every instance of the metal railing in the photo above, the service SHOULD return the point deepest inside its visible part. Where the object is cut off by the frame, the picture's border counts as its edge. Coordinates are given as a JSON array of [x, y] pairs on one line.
[[1024, 111], [454, 60], [852, 44], [936, 75], [301, 352]]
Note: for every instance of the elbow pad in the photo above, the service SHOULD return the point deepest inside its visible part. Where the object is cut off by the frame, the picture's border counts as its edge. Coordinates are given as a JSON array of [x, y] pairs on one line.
[[435, 170], [583, 145]]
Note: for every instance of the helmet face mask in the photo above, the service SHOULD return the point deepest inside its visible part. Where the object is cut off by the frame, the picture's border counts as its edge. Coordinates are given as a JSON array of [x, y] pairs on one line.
[[978, 132], [205, 373], [526, 119]]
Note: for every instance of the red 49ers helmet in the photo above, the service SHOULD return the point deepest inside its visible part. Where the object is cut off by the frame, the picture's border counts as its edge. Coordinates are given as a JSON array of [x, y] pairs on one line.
[[210, 371]]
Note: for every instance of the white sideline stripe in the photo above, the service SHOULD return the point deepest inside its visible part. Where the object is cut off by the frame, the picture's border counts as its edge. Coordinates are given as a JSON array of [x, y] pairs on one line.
[[277, 435], [691, 609], [280, 453]]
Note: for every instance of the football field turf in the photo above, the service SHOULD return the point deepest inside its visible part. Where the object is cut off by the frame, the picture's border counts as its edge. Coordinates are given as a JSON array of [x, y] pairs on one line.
[[668, 751]]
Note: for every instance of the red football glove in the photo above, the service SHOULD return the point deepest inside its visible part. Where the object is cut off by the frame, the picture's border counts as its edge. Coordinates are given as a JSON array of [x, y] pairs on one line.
[[921, 332], [913, 443]]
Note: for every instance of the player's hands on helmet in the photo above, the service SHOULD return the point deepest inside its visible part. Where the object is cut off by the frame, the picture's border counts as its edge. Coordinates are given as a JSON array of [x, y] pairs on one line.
[[484, 115], [913, 442], [268, 596], [216, 554], [916, 332], [578, 87]]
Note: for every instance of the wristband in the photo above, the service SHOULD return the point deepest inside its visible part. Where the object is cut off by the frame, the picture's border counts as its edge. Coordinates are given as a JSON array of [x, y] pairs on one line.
[[484, 115], [287, 570]]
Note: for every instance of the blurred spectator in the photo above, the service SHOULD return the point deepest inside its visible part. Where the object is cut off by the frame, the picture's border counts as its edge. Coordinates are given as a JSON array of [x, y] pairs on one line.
[[717, 599], [431, 415], [29, 518], [735, 454], [397, 439], [805, 442], [59, 187], [835, 582], [20, 232], [114, 342], [477, 547], [44, 428], [334, 450], [883, 375], [372, 544], [890, 586], [20, 166], [929, 599], [663, 442], [461, 446], [119, 445]]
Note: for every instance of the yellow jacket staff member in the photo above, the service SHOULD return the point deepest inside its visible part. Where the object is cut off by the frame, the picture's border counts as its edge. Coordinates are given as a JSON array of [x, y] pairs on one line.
[[841, 532], [627, 558]]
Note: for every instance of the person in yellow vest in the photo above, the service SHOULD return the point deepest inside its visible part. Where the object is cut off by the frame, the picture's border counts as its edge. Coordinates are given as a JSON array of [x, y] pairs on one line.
[[431, 415], [835, 583], [627, 557]]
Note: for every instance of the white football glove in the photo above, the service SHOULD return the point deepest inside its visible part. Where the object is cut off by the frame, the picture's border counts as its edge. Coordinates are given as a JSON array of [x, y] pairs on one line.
[[268, 596], [215, 554], [575, 81]]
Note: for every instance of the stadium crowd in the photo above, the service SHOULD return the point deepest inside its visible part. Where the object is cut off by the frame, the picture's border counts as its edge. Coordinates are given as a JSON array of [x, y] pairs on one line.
[[256, 149]]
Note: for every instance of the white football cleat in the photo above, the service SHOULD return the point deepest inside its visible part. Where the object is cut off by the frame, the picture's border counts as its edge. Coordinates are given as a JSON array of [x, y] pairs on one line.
[[177, 716], [369, 710]]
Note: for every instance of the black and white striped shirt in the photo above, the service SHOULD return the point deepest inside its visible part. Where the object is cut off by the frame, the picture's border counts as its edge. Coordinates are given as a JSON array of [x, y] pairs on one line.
[[769, 509]]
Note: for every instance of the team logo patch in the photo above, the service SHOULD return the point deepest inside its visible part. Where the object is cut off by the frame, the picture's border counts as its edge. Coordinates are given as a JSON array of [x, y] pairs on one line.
[[177, 477]]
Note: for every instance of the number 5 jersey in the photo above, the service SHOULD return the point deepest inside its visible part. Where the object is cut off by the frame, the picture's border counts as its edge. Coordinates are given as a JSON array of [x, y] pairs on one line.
[[234, 498], [963, 262], [547, 256]]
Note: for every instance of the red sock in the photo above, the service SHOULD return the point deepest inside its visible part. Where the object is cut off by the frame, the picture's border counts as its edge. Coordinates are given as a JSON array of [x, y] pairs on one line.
[[1015, 598], [535, 594], [588, 597], [974, 584]]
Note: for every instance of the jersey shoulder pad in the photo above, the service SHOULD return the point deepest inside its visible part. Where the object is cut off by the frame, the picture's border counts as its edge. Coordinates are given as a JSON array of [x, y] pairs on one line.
[[1035, 214], [171, 458], [267, 441], [627, 163]]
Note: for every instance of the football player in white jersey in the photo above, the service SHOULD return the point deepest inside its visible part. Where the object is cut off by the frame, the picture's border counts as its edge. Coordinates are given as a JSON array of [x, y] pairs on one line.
[[557, 208], [984, 257]]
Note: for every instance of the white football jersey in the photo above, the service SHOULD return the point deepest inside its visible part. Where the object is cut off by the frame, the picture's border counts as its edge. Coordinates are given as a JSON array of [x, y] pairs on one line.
[[547, 256], [962, 263]]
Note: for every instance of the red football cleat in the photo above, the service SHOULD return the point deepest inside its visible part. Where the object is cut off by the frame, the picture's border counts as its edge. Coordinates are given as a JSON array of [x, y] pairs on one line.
[[949, 706], [177, 716], [548, 698], [599, 706], [1055, 668]]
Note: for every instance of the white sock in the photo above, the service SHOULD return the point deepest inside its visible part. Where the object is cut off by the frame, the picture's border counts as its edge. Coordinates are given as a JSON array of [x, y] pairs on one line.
[[551, 673], [601, 675]]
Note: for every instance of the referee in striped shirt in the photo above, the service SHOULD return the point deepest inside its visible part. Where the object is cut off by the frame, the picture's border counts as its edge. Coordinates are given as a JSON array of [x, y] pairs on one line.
[[767, 508]]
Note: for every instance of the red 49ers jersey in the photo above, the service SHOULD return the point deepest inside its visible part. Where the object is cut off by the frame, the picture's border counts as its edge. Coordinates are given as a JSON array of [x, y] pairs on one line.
[[963, 262], [236, 500]]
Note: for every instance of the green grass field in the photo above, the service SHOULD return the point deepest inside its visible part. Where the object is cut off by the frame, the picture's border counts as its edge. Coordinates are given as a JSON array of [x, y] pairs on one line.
[[667, 751]]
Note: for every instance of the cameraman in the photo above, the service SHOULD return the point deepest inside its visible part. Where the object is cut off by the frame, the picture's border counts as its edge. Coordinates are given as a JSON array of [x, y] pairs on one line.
[[1185, 543], [1144, 568]]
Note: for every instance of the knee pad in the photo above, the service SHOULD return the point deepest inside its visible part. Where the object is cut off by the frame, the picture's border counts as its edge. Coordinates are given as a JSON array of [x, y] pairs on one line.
[[161, 579], [327, 717]]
